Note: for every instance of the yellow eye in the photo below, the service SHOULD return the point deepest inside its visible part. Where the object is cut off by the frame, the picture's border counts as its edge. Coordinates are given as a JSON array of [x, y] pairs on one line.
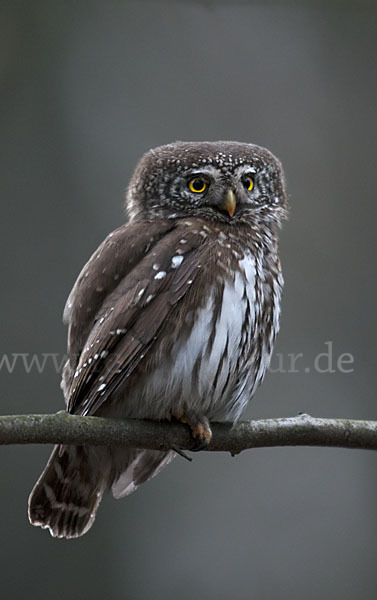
[[197, 185], [248, 182]]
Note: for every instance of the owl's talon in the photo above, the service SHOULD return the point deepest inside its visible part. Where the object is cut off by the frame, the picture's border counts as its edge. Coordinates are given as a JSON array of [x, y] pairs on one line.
[[202, 434], [200, 429]]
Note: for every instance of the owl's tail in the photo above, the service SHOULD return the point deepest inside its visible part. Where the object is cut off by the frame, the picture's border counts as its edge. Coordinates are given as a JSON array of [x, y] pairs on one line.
[[141, 466], [66, 497]]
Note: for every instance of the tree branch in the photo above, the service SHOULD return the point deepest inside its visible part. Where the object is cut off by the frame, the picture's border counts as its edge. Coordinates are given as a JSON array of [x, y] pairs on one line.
[[303, 430]]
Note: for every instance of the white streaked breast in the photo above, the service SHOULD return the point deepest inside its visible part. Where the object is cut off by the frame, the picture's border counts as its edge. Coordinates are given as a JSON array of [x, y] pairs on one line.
[[172, 385]]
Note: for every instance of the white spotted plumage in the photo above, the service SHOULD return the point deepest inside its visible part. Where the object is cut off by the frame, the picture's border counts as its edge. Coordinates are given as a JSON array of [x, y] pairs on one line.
[[174, 315], [172, 384]]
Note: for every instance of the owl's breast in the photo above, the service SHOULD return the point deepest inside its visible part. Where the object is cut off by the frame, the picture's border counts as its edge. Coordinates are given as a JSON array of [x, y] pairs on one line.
[[215, 365]]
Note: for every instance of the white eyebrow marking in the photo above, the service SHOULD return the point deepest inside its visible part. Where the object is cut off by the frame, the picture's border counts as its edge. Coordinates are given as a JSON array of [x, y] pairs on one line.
[[204, 170], [245, 169]]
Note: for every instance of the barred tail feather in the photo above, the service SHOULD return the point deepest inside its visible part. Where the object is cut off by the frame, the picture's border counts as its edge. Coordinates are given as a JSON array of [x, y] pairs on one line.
[[66, 497]]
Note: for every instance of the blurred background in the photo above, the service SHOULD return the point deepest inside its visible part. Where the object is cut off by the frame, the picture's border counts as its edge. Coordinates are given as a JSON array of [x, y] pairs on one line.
[[86, 89]]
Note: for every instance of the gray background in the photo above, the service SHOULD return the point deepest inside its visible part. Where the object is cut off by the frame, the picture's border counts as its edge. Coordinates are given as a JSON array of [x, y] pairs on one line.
[[87, 87]]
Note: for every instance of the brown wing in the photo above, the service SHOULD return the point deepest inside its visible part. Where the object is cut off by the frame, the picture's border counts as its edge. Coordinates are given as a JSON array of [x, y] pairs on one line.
[[118, 254], [128, 321]]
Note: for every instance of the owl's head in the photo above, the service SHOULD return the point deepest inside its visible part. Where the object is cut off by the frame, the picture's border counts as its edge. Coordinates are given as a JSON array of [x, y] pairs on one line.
[[227, 182]]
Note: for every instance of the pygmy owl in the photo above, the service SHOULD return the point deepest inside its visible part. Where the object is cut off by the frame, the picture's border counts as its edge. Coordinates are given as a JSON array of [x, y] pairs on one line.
[[174, 315]]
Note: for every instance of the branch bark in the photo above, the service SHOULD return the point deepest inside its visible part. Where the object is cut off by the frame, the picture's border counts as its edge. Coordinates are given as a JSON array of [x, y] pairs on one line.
[[303, 430]]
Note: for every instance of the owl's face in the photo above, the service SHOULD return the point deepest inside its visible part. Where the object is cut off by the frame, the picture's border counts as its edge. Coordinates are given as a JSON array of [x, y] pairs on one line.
[[226, 182]]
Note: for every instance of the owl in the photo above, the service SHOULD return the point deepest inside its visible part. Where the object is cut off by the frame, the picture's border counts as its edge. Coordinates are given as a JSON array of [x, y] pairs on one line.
[[174, 316]]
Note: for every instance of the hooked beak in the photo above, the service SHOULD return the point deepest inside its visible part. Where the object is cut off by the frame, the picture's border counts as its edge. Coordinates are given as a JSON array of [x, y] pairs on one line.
[[229, 202]]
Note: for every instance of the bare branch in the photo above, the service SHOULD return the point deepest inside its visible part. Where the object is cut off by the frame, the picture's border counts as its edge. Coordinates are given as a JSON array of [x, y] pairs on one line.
[[303, 430]]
